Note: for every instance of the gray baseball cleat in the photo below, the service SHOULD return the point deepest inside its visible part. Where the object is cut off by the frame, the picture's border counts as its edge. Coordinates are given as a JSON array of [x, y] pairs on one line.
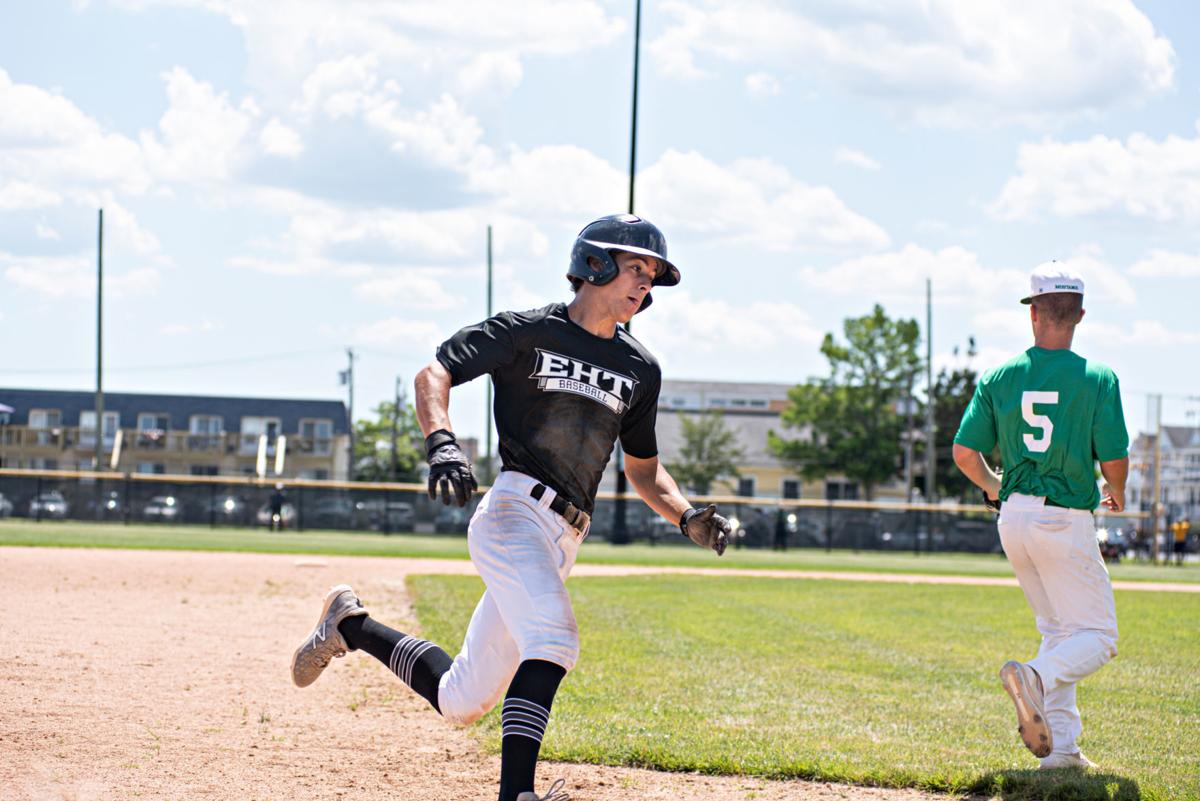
[[1075, 760], [555, 793], [326, 641], [1024, 686]]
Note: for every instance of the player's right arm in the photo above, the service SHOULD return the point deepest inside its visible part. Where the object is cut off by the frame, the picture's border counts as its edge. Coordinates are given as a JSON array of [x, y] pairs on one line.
[[432, 387], [976, 436], [449, 469], [1115, 472]]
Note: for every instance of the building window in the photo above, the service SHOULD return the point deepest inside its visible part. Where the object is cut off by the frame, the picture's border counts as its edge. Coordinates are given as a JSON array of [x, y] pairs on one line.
[[791, 489], [152, 430], [319, 474], [48, 423], [156, 468], [741, 402], [43, 464], [758, 403], [316, 436], [746, 487], [254, 427], [206, 424], [841, 491], [87, 428], [716, 403]]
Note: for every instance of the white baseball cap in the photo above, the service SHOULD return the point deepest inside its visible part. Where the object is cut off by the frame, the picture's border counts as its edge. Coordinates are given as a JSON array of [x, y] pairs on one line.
[[1049, 277]]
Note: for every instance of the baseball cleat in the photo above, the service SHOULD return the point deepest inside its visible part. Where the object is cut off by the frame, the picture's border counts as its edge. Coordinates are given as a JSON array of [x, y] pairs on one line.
[[1024, 686], [555, 793], [326, 641], [1075, 760]]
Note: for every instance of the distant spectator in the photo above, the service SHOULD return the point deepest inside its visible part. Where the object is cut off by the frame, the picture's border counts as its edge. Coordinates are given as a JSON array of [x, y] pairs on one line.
[[1180, 529], [277, 501], [781, 531]]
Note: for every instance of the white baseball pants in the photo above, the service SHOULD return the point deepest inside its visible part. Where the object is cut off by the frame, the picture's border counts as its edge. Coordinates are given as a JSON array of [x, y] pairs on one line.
[[523, 552], [1058, 564]]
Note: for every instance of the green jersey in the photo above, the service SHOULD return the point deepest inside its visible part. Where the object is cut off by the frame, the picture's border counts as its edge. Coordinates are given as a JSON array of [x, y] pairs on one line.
[[1053, 413]]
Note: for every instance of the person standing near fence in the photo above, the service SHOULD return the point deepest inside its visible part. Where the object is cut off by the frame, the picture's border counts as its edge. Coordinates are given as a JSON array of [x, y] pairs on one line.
[[570, 382], [1054, 414]]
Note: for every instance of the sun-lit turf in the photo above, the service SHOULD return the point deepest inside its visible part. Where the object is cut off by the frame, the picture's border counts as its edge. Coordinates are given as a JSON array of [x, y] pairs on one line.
[[849, 682], [339, 543]]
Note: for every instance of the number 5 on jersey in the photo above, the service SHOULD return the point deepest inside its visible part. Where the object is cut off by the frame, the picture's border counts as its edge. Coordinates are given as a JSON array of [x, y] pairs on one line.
[[1038, 444]]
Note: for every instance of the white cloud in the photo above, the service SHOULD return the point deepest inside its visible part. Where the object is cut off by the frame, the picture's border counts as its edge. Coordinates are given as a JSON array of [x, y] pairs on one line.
[[939, 60], [200, 135], [278, 139], [559, 182], [763, 85], [19, 195], [410, 289], [415, 335], [75, 277], [959, 276], [679, 320], [1167, 264], [855, 158], [1141, 178], [753, 202], [43, 231], [1141, 333], [444, 134], [494, 74]]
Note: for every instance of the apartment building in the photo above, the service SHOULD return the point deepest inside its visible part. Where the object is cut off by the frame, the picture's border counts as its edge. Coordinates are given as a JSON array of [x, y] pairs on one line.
[[1179, 480], [176, 434]]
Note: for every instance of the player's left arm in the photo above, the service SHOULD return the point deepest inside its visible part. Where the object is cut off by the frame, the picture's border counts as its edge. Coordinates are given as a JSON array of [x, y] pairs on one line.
[[658, 489]]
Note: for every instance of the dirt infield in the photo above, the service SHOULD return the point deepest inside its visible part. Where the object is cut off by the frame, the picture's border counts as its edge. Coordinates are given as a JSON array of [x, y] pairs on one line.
[[163, 675]]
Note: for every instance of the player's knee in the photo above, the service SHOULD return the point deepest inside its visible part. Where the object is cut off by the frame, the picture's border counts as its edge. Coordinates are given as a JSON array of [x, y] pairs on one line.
[[562, 650], [459, 710]]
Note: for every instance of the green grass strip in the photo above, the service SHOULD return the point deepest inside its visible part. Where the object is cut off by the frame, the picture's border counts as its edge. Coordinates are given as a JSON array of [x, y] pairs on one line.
[[74, 534], [848, 682]]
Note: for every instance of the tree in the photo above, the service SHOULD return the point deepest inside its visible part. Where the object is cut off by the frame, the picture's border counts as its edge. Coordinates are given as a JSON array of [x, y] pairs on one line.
[[373, 445], [848, 422], [952, 393], [709, 451]]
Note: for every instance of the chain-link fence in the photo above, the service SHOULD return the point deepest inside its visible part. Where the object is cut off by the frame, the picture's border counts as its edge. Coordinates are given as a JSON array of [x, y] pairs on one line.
[[302, 505]]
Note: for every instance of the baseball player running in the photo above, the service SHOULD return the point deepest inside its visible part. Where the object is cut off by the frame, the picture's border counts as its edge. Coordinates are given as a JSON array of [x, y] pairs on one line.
[[1053, 414], [569, 382]]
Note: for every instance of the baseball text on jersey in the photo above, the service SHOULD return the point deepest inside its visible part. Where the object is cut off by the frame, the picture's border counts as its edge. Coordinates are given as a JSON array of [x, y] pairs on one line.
[[557, 373]]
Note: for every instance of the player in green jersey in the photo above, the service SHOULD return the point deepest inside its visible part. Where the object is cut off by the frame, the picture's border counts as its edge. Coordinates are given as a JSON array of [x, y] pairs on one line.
[[1053, 414]]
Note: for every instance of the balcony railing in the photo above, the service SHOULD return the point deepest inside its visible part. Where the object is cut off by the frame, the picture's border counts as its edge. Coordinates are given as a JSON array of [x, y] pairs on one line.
[[157, 441]]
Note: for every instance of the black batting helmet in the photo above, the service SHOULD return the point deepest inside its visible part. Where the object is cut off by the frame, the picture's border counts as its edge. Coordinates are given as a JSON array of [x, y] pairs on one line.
[[619, 232]]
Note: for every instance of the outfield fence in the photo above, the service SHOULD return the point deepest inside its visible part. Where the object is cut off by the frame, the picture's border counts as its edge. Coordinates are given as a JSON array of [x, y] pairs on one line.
[[302, 504]]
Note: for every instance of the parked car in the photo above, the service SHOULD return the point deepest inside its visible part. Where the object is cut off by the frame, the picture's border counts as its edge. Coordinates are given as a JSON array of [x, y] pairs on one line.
[[400, 515], [107, 507], [6, 506], [330, 512], [451, 520], [49, 504], [1113, 543], [162, 508]]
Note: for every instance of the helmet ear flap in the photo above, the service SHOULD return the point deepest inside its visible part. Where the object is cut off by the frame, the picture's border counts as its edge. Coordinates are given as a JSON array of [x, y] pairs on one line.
[[584, 258]]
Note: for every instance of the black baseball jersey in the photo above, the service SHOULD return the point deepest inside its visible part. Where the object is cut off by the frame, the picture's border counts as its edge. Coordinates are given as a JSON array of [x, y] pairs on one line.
[[563, 395]]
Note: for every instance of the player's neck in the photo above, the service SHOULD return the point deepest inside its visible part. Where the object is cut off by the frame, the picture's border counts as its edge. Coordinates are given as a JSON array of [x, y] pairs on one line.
[[1053, 338], [591, 318]]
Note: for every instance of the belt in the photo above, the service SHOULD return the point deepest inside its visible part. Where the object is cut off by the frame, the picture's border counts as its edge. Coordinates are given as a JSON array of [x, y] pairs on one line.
[[1050, 502], [575, 517]]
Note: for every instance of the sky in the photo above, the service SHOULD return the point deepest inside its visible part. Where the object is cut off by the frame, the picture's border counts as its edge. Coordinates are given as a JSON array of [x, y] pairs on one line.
[[283, 181]]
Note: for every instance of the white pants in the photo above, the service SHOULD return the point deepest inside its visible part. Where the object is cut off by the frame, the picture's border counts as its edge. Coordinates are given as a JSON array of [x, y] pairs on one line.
[[523, 552], [1054, 553]]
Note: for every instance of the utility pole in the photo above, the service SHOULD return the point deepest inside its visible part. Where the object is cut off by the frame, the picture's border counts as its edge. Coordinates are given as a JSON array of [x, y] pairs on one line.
[[1155, 402], [620, 532], [99, 457], [395, 424], [350, 383], [908, 441], [487, 412], [930, 440]]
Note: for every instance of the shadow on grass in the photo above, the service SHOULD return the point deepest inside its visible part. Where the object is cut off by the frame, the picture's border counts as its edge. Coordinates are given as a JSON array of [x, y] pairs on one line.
[[1071, 784]]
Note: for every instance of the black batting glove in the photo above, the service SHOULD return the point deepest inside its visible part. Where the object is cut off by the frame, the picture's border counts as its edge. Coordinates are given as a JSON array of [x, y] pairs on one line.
[[449, 469], [706, 528], [992, 504]]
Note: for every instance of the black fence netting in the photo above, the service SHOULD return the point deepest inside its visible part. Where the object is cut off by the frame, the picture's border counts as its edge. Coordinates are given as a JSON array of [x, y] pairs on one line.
[[302, 505]]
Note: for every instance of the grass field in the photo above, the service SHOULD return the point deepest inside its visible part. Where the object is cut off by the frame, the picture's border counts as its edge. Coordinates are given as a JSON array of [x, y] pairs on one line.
[[851, 682], [201, 538]]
